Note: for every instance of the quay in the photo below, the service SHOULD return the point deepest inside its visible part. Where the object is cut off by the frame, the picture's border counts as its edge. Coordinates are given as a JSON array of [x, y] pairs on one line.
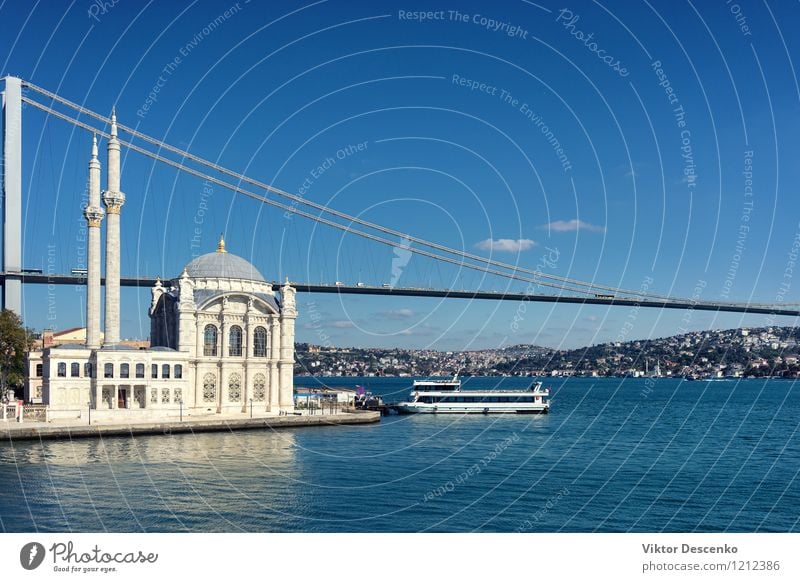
[[14, 431]]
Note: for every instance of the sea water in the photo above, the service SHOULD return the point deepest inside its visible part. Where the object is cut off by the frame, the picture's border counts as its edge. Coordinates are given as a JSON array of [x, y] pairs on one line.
[[613, 455]]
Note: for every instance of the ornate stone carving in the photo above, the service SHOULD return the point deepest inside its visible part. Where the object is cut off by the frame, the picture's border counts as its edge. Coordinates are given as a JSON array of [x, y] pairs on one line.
[[157, 291], [288, 300], [259, 387], [186, 292], [235, 387], [210, 387], [94, 215], [113, 201]]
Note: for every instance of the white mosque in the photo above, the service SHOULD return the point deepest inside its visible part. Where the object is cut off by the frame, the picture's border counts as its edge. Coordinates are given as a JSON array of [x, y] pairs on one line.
[[221, 341]]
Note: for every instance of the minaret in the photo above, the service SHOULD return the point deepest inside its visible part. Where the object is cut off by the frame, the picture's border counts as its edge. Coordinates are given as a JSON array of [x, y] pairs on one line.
[[94, 216], [286, 362], [113, 199]]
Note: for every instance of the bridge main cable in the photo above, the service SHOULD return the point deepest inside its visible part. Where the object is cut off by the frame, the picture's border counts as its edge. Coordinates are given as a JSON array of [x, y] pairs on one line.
[[590, 287], [288, 208]]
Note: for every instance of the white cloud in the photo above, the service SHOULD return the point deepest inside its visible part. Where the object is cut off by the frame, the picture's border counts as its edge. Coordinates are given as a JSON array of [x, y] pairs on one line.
[[573, 225], [344, 323], [506, 245], [398, 314]]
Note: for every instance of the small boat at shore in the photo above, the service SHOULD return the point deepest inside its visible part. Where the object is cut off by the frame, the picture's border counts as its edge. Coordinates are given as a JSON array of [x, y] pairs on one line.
[[446, 397]]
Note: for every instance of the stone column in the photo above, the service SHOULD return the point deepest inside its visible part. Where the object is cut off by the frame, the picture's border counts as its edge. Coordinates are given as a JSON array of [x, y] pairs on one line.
[[220, 385], [198, 375], [201, 337], [274, 357], [221, 346], [286, 364], [94, 216], [247, 352], [113, 199]]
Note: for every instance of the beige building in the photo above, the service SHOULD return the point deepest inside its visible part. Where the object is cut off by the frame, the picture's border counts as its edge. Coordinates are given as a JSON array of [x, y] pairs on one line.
[[221, 339]]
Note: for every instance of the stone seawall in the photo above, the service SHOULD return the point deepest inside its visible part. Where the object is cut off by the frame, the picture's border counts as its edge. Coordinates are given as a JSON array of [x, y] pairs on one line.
[[27, 431]]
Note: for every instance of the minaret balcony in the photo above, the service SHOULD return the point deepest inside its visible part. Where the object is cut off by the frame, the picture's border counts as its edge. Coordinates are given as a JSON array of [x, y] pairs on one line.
[[113, 201], [94, 215]]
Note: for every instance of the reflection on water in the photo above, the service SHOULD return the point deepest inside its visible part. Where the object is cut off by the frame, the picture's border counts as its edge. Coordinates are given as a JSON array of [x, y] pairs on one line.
[[179, 448], [172, 482], [611, 457]]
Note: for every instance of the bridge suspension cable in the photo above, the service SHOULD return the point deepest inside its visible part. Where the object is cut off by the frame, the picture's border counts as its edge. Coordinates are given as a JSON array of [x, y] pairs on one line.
[[487, 265], [292, 209], [590, 287]]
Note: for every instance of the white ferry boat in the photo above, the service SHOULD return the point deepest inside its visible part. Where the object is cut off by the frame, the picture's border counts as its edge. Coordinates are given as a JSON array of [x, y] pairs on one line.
[[446, 397]]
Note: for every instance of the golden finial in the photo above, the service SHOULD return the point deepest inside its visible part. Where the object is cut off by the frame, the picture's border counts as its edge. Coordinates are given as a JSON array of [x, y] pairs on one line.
[[221, 245]]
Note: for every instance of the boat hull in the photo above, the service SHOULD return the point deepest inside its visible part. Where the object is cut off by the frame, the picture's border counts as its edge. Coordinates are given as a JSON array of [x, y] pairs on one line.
[[416, 408]]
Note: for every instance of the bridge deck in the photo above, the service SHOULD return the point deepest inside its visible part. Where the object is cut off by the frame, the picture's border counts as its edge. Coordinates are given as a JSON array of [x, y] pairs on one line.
[[45, 279]]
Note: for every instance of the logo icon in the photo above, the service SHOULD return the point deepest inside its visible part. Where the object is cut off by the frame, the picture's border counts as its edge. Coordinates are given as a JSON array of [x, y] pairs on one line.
[[31, 555]]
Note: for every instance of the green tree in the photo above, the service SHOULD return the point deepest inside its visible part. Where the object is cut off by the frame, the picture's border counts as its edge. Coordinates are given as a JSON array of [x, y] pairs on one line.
[[15, 341]]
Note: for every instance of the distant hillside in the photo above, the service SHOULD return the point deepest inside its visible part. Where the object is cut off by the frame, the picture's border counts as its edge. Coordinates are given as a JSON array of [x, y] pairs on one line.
[[754, 352]]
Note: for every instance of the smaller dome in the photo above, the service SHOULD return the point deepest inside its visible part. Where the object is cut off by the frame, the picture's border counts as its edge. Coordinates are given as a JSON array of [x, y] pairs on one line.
[[222, 265]]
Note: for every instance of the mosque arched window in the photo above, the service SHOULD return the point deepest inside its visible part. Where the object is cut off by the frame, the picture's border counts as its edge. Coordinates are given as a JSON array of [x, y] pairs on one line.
[[235, 341], [178, 371], [75, 370], [234, 387], [125, 371], [259, 388], [140, 370], [165, 370], [209, 387], [108, 370], [62, 370], [260, 342], [210, 340]]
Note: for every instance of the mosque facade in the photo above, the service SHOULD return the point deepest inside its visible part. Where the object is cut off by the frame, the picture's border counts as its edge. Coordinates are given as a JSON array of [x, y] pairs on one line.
[[221, 338]]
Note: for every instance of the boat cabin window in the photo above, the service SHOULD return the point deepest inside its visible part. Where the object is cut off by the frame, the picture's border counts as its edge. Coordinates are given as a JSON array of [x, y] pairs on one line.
[[484, 399], [435, 387]]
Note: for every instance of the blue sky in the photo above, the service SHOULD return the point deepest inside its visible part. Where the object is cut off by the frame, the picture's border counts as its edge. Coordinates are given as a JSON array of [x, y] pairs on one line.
[[613, 136]]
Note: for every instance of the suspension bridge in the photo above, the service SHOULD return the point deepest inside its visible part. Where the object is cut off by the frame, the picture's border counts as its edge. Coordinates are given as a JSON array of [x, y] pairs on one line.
[[18, 92]]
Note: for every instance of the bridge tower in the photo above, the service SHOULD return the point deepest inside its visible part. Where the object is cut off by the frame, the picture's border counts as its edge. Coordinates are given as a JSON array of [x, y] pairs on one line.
[[12, 192]]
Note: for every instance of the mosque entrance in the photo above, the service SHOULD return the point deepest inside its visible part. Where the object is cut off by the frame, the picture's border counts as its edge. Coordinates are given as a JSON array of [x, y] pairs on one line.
[[122, 397]]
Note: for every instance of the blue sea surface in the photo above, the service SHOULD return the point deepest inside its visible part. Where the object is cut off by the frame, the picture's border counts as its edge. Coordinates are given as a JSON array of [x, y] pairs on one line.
[[614, 455]]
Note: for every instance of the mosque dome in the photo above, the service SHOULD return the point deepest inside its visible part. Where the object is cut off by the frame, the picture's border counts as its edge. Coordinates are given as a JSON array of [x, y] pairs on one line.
[[223, 265]]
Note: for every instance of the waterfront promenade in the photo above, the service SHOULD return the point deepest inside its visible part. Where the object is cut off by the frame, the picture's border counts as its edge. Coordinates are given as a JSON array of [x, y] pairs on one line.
[[80, 428]]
